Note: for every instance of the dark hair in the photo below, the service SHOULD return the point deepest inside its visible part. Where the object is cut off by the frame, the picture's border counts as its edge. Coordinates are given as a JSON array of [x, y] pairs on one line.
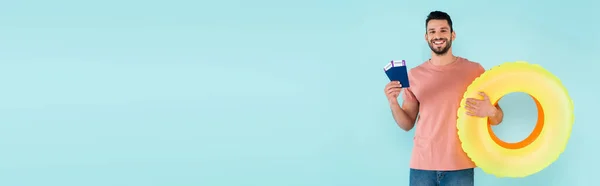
[[439, 15]]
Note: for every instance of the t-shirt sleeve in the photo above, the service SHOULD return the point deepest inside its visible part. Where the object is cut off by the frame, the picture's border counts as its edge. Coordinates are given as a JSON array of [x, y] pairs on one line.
[[408, 95], [480, 70]]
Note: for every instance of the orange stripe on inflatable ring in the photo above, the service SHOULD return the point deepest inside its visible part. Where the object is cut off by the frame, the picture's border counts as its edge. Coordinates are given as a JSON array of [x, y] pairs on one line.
[[532, 137]]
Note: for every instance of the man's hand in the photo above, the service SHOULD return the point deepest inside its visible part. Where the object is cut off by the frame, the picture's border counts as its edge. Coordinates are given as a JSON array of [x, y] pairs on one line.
[[392, 91], [480, 107], [405, 114]]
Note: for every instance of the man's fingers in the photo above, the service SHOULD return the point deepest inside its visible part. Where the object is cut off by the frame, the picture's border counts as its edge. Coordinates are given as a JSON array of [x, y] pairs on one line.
[[473, 102], [394, 86], [470, 108], [389, 87], [484, 95], [394, 91]]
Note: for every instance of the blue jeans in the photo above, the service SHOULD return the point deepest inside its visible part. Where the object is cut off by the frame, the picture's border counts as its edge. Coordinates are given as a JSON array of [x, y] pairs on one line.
[[442, 178]]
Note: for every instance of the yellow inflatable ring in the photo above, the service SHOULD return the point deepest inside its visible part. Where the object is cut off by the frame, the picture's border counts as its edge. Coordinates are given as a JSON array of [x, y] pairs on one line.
[[547, 141]]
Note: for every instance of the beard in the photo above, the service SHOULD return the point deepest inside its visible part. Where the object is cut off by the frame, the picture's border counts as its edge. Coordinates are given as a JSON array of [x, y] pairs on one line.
[[440, 50]]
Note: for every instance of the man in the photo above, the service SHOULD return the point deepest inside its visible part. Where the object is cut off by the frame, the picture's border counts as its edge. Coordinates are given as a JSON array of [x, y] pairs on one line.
[[437, 87]]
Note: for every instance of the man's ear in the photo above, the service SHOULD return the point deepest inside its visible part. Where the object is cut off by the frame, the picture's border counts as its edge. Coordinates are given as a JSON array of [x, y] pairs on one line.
[[453, 35], [426, 40]]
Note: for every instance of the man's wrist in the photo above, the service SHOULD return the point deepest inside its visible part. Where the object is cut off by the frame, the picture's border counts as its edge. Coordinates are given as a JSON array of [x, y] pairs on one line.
[[393, 102], [493, 112]]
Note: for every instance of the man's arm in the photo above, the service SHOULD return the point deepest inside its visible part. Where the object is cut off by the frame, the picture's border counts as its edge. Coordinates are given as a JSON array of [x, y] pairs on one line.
[[497, 116], [406, 115]]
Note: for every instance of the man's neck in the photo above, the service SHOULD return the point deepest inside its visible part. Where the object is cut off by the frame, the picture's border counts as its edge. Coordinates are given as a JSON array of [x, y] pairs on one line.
[[442, 60]]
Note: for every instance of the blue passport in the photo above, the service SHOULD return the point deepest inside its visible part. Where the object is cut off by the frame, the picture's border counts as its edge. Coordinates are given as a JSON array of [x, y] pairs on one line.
[[396, 71]]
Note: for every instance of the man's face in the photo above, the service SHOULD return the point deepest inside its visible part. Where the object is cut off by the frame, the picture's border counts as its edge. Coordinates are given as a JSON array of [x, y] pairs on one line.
[[439, 37]]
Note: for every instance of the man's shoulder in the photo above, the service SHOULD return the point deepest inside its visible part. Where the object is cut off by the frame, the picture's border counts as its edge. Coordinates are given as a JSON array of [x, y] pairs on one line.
[[472, 66], [420, 66], [471, 63]]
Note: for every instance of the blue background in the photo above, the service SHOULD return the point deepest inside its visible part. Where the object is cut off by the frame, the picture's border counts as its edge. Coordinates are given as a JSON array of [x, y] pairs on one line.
[[265, 93]]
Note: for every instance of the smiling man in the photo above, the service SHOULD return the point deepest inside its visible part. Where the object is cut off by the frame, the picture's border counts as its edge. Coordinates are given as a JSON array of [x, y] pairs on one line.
[[437, 87]]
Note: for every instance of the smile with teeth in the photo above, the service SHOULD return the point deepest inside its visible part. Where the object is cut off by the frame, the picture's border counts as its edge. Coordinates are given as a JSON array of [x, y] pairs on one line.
[[439, 42]]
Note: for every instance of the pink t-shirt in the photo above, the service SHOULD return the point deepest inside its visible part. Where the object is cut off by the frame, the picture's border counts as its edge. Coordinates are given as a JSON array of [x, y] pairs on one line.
[[439, 90]]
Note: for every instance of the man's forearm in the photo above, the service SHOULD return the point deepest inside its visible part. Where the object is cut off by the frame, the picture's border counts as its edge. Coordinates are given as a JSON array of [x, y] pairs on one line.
[[402, 119], [497, 116]]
